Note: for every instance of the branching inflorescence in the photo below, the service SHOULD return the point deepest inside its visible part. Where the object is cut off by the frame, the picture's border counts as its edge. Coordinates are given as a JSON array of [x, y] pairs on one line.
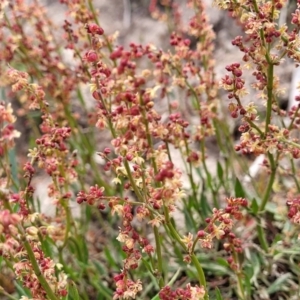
[[150, 104]]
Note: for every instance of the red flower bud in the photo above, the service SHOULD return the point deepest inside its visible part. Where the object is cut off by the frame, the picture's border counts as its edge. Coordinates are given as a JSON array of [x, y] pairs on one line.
[[201, 234], [91, 56], [94, 29]]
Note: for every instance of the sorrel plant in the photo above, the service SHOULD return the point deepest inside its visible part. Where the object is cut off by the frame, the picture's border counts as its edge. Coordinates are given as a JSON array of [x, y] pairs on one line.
[[150, 225]]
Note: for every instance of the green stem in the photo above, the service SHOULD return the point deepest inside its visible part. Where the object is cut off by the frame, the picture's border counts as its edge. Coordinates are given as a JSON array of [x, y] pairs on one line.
[[208, 176], [68, 225], [294, 118], [273, 164], [7, 295], [176, 236], [295, 175], [38, 272], [132, 182], [260, 231], [190, 174], [253, 125], [159, 257], [239, 275], [201, 275], [290, 143], [261, 236], [270, 76], [270, 183], [149, 139]]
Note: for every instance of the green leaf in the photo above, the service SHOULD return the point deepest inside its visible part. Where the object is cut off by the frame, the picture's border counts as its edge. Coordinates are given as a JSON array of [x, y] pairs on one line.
[[111, 261], [102, 289], [256, 268], [238, 188], [204, 204], [277, 239], [100, 268], [254, 206], [46, 244], [220, 171], [85, 252], [279, 283], [247, 284], [222, 262], [73, 292], [252, 268], [214, 267], [188, 218], [218, 295], [21, 290], [156, 297], [80, 97]]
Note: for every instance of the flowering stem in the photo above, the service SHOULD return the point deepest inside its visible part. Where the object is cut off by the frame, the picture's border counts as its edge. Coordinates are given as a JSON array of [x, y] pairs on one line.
[[261, 236], [195, 260], [68, 224], [260, 231], [168, 151], [238, 274], [149, 140], [91, 6], [270, 183], [273, 165], [208, 176], [294, 175], [37, 271], [253, 125], [129, 175], [159, 257], [113, 132], [156, 233], [270, 96], [190, 174], [290, 143], [201, 276], [294, 118]]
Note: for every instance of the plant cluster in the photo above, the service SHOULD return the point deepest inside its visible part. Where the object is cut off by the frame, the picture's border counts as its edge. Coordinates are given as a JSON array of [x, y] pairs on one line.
[[149, 226]]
